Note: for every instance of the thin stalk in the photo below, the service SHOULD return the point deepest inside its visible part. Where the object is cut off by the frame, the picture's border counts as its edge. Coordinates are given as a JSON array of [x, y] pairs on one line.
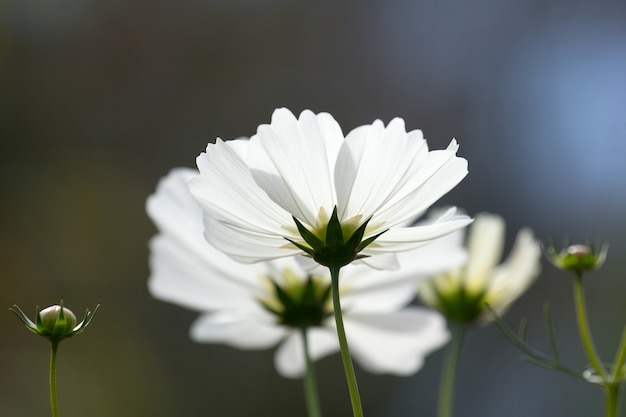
[[611, 393], [310, 384], [355, 398], [448, 375], [620, 358], [583, 327], [53, 379]]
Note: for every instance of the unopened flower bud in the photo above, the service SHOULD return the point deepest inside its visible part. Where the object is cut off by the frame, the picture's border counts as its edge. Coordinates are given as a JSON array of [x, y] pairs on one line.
[[577, 258], [57, 320]]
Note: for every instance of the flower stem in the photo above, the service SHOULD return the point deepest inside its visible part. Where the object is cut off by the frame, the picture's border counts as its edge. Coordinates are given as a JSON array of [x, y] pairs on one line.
[[446, 387], [53, 379], [583, 327], [355, 398], [620, 359], [310, 385], [611, 394]]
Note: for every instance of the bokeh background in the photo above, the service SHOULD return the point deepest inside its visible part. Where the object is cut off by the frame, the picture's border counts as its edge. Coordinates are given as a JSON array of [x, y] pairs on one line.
[[101, 98]]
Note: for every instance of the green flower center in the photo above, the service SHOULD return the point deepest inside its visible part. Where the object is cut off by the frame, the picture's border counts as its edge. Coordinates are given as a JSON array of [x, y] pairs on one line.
[[299, 303], [462, 306], [455, 301]]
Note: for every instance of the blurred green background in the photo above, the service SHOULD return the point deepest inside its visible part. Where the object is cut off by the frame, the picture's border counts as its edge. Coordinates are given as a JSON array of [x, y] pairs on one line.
[[100, 98]]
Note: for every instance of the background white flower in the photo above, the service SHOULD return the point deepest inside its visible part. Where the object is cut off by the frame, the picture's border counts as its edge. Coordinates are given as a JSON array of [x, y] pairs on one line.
[[385, 335], [305, 168], [461, 293]]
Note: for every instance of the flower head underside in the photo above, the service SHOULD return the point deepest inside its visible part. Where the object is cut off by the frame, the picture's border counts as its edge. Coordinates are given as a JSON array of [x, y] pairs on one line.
[[295, 174]]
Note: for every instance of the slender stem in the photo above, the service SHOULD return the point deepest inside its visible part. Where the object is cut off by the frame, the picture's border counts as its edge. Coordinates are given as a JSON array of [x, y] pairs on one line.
[[583, 327], [620, 358], [446, 387], [611, 394], [53, 379], [357, 409], [310, 384]]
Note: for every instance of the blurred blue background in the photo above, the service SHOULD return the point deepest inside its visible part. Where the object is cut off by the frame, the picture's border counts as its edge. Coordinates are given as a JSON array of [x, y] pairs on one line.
[[100, 98]]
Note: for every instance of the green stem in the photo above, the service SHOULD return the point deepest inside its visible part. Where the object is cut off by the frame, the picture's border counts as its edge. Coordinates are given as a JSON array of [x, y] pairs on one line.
[[446, 387], [620, 358], [53, 379], [310, 385], [583, 327], [357, 409], [611, 393]]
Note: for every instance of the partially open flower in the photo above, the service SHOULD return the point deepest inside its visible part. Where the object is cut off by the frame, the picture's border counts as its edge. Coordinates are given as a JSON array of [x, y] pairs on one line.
[[55, 322], [577, 258], [462, 294]]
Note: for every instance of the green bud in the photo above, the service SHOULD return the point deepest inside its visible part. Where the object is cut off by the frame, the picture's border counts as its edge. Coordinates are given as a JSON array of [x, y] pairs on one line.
[[55, 322], [577, 258]]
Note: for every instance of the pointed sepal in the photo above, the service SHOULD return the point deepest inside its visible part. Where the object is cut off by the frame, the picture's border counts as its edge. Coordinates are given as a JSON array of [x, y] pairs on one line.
[[331, 246]]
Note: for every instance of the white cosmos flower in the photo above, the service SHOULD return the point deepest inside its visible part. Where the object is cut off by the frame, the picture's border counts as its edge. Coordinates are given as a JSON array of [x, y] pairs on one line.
[[461, 293], [304, 167], [235, 299]]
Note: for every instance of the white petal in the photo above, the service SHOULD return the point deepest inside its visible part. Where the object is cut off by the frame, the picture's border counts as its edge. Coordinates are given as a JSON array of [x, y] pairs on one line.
[[391, 175], [382, 261], [407, 238], [486, 242], [395, 343], [184, 268], [440, 171], [293, 161], [366, 289], [226, 190], [174, 212], [242, 329], [437, 256], [244, 245], [513, 277], [178, 276], [289, 358], [378, 294], [374, 164]]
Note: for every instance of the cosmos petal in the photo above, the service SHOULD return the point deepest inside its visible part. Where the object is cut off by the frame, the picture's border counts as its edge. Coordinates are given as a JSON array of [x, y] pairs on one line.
[[395, 343], [289, 358], [242, 329], [294, 161], [517, 273], [246, 246], [366, 289], [179, 269], [406, 238], [226, 190], [178, 276], [174, 211], [441, 171], [372, 165], [485, 246]]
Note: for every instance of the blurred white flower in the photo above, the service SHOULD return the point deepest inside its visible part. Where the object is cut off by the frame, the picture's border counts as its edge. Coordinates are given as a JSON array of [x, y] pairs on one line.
[[461, 294], [256, 306], [304, 169]]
